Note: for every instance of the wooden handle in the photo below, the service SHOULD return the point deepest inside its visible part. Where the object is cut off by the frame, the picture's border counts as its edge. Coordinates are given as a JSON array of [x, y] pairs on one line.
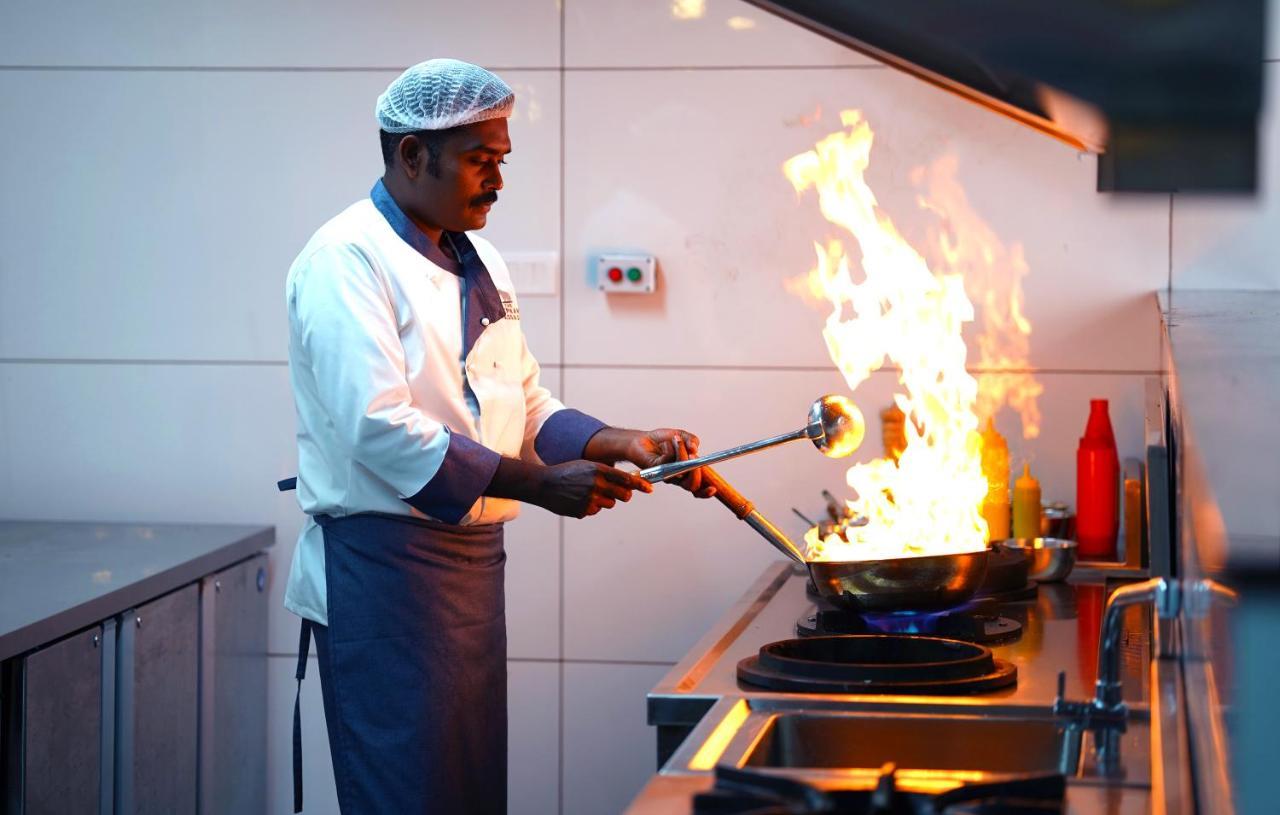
[[726, 493]]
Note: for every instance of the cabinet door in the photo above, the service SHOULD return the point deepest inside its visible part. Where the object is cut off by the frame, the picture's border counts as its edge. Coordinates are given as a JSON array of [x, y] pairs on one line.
[[164, 701], [60, 726], [236, 770]]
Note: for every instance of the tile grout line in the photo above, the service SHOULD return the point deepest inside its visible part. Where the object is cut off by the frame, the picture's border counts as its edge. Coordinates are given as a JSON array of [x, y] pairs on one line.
[[379, 69], [583, 366], [560, 673]]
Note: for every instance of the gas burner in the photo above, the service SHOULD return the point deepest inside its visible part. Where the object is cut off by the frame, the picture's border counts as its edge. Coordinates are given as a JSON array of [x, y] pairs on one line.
[[877, 663], [975, 621], [748, 791]]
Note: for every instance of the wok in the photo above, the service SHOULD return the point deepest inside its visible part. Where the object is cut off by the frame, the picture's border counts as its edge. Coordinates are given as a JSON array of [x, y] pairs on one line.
[[925, 583]]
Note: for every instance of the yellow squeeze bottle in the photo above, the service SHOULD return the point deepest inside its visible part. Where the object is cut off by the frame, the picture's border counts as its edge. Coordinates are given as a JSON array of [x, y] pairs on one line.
[[1026, 505]]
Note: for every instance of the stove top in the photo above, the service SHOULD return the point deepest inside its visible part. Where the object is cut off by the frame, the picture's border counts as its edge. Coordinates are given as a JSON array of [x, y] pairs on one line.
[[742, 790], [877, 663]]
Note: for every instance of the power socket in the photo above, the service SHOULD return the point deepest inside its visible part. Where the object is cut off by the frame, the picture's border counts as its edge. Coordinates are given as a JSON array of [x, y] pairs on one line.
[[533, 273]]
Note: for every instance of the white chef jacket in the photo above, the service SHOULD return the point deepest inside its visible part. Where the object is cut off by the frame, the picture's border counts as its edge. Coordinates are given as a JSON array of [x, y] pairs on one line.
[[383, 422]]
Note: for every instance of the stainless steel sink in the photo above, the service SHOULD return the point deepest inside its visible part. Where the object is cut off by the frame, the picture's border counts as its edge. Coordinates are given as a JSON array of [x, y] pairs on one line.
[[834, 740]]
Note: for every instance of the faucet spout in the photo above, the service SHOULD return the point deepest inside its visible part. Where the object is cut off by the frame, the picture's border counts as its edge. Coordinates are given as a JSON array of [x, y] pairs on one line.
[[1106, 715]]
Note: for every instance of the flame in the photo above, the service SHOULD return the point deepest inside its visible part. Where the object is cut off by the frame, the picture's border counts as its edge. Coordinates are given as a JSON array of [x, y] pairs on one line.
[[966, 245], [688, 9], [897, 309]]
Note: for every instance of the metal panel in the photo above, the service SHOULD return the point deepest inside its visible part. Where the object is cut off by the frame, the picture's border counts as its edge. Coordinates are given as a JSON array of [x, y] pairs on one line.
[[165, 665], [123, 775], [107, 711], [204, 770], [61, 727], [239, 732]]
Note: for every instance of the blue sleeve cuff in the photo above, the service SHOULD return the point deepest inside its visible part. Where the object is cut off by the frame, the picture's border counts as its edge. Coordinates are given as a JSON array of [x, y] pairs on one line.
[[465, 472], [564, 435]]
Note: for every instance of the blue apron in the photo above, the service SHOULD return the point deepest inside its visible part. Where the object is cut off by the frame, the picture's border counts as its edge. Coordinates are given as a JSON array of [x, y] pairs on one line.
[[413, 665]]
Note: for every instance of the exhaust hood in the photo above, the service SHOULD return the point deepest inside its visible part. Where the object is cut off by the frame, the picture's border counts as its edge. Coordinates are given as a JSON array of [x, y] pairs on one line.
[[1167, 92]]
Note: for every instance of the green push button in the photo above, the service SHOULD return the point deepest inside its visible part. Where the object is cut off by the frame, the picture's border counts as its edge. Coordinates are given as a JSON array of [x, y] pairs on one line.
[[634, 274]]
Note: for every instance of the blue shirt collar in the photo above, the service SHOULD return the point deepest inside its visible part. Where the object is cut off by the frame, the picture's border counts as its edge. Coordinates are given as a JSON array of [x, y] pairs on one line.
[[484, 300], [409, 232]]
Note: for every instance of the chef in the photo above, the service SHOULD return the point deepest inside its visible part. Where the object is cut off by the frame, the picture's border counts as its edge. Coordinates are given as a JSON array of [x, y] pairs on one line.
[[421, 426]]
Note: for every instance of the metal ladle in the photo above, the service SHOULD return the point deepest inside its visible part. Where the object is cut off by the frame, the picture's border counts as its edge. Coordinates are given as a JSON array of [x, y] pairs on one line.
[[835, 426]]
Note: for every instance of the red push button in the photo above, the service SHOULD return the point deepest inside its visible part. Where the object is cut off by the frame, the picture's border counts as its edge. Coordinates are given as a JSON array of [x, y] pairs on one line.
[[615, 274]]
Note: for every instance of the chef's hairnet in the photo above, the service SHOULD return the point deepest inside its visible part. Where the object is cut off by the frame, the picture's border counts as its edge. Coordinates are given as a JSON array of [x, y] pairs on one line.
[[443, 93]]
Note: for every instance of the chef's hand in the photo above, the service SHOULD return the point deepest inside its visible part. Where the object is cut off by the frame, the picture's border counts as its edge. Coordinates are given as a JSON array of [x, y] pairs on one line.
[[649, 448], [581, 488]]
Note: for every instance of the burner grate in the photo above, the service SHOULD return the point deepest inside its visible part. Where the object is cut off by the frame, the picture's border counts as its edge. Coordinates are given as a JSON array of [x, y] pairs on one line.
[[877, 663]]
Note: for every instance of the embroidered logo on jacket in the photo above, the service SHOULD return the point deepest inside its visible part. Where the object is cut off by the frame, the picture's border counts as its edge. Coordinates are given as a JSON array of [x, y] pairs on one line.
[[510, 311]]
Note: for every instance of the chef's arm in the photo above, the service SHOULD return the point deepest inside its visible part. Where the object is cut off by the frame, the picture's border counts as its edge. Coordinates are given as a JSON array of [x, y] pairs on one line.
[[555, 434], [341, 314], [575, 488], [649, 448]]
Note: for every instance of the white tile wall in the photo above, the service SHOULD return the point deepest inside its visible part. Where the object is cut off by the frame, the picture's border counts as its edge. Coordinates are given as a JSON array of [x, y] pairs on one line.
[[609, 750], [1229, 243], [328, 33], [162, 231], [168, 233], [686, 165], [664, 33], [533, 762]]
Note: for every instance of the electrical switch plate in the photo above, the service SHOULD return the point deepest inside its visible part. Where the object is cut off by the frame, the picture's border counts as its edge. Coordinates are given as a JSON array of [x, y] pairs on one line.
[[533, 273], [627, 274]]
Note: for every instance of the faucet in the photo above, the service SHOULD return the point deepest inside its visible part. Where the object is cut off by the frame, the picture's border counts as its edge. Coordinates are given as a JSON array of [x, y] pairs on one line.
[[1106, 714]]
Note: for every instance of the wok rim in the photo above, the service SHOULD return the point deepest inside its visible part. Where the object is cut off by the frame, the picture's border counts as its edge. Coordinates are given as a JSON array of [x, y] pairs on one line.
[[927, 598]]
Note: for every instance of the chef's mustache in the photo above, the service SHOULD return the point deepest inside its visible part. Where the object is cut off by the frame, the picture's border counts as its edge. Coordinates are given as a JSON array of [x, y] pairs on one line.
[[487, 198]]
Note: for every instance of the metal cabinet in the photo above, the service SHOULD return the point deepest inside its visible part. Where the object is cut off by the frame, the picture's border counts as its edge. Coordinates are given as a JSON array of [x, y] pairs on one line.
[[54, 756], [157, 705], [233, 677], [161, 709]]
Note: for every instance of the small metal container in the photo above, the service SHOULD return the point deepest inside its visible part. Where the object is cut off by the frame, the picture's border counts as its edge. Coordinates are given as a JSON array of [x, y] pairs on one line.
[[1051, 558]]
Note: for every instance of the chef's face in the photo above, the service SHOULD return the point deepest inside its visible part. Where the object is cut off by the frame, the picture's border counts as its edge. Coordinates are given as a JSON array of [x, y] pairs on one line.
[[455, 188]]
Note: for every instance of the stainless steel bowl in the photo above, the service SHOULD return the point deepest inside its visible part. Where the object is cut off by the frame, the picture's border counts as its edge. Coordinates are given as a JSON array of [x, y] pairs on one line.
[[1051, 558]]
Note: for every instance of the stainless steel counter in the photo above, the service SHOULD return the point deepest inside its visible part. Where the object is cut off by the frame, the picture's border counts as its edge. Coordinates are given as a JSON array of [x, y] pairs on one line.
[[1059, 634], [57, 577]]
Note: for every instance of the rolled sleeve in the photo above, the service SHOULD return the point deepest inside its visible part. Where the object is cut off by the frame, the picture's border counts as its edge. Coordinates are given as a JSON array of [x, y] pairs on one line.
[[564, 435], [465, 472]]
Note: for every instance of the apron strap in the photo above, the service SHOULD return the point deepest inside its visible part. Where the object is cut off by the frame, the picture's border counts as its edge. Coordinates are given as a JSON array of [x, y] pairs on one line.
[[304, 649], [286, 484]]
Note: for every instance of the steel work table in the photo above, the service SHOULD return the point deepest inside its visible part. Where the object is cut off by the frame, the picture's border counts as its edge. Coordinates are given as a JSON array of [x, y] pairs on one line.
[[132, 667], [58, 577]]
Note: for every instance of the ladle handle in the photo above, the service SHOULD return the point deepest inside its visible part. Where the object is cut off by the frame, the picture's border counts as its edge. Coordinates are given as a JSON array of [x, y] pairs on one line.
[[727, 494], [746, 511], [671, 469]]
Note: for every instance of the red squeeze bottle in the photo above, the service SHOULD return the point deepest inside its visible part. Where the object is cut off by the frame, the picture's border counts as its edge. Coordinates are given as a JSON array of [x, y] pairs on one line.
[[1097, 486]]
